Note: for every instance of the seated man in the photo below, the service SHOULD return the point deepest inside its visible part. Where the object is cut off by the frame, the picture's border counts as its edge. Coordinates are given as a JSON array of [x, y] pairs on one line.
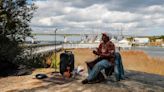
[[106, 52]]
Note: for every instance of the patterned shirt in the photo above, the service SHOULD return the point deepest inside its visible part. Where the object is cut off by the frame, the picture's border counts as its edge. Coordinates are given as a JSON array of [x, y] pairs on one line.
[[107, 50]]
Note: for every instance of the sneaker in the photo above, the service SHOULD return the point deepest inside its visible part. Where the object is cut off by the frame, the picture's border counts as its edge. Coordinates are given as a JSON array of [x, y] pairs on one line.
[[85, 81]]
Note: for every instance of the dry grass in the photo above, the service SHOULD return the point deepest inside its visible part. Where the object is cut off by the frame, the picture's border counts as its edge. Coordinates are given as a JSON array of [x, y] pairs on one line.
[[132, 60], [155, 43], [83, 55], [140, 61]]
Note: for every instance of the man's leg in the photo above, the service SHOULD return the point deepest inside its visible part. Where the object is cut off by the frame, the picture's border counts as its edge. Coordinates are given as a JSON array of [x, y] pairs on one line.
[[116, 71], [118, 68], [89, 69], [122, 76], [91, 64], [97, 68]]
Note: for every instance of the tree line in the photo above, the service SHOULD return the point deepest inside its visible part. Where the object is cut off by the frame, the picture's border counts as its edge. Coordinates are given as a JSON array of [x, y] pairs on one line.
[[15, 16]]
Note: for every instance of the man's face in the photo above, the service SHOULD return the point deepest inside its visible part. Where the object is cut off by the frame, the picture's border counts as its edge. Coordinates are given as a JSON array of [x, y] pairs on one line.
[[104, 38]]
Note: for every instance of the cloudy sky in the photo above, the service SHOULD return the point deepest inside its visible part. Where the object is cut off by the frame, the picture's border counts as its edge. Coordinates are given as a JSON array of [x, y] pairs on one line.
[[133, 17]]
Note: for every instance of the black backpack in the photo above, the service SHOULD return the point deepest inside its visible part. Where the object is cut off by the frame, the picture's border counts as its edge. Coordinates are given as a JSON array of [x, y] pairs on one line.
[[66, 60]]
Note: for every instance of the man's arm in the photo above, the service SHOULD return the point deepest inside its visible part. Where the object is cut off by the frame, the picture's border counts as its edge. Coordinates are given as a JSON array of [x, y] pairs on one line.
[[95, 52], [98, 50], [107, 54]]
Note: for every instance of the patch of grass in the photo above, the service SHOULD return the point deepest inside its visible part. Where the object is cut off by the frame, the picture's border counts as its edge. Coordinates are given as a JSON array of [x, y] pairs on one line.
[[132, 60], [140, 61], [51, 61]]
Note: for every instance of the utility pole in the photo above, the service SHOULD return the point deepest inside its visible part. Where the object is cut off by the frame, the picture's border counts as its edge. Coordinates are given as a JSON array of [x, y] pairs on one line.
[[55, 51], [54, 63]]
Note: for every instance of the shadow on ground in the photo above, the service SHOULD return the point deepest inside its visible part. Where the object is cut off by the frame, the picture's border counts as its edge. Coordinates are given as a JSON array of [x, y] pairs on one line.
[[135, 81], [55, 79]]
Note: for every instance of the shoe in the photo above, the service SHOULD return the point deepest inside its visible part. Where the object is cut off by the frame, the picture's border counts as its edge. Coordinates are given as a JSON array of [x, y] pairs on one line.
[[101, 77], [85, 81], [122, 77]]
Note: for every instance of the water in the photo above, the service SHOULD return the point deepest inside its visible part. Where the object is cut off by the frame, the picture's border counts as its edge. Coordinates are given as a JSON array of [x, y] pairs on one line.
[[152, 51], [52, 38], [58, 38]]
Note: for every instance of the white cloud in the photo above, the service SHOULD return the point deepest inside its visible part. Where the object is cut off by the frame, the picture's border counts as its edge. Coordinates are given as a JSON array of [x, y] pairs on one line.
[[46, 21], [160, 21], [117, 16], [154, 9], [82, 16]]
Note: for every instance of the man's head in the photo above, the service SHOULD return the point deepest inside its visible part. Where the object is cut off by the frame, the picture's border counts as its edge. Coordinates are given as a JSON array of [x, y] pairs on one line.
[[106, 37]]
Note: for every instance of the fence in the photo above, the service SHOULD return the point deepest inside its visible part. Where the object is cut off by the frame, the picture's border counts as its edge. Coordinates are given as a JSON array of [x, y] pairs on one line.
[[80, 45]]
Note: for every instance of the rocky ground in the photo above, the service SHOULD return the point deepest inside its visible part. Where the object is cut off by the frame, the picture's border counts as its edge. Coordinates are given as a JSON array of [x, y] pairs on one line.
[[134, 82]]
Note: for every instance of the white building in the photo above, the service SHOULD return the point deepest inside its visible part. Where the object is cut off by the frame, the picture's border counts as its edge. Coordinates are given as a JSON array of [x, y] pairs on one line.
[[162, 45], [65, 39], [124, 43], [159, 40], [140, 41], [98, 39], [115, 42]]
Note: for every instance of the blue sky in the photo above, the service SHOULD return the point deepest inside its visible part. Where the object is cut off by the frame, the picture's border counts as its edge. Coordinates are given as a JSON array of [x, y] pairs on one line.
[[133, 17]]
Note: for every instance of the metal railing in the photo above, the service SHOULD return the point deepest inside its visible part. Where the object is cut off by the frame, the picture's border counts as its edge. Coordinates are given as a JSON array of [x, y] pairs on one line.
[[80, 45], [49, 48]]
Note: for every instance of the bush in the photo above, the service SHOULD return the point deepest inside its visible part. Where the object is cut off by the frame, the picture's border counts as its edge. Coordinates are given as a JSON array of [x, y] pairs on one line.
[[9, 50], [15, 16]]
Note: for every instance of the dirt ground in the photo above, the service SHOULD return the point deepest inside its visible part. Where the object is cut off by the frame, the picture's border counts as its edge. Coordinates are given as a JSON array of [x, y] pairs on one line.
[[134, 82]]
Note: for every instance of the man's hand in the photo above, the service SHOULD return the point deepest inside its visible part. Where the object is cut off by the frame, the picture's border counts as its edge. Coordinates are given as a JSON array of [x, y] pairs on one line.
[[95, 52], [102, 56]]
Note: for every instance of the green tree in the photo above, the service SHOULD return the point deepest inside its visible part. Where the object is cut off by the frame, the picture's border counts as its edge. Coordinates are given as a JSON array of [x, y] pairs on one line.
[[130, 39], [15, 16], [152, 38], [161, 37]]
